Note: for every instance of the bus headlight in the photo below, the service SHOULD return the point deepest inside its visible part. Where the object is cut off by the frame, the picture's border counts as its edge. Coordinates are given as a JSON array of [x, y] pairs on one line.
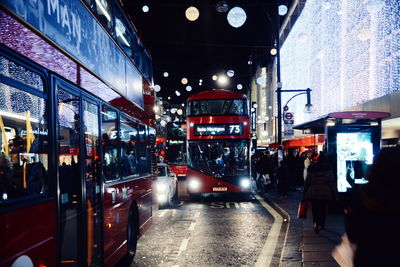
[[245, 183], [194, 184]]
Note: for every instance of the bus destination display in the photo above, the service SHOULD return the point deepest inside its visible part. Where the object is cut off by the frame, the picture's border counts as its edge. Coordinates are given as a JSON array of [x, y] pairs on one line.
[[218, 129]]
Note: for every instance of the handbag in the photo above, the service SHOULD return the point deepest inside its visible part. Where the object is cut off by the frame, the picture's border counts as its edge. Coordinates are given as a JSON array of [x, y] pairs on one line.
[[267, 180], [344, 252], [302, 211]]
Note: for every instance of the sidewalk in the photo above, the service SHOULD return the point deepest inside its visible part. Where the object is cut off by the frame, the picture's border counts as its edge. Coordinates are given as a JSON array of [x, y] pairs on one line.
[[303, 246]]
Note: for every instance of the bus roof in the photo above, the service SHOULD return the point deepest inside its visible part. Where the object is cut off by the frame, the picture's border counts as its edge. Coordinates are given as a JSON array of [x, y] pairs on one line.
[[217, 94]]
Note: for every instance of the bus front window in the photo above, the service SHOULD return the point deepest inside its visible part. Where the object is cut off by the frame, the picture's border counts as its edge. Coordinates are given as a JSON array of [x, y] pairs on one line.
[[220, 158], [176, 152]]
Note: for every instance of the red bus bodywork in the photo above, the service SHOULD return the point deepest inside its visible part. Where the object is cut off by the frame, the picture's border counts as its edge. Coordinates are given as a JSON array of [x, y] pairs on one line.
[[209, 183], [32, 229]]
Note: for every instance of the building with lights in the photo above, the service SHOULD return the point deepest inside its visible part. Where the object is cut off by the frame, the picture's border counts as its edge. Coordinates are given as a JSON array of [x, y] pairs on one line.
[[348, 53]]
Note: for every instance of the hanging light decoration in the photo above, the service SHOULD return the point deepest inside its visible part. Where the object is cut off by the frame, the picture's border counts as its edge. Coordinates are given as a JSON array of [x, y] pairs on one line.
[[239, 86], [192, 13], [282, 10], [145, 9], [184, 81], [157, 88], [273, 51], [230, 73], [188, 88], [236, 17], [165, 74]]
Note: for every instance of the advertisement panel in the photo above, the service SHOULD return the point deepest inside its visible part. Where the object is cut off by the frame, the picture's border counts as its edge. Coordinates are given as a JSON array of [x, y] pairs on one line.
[[73, 28]]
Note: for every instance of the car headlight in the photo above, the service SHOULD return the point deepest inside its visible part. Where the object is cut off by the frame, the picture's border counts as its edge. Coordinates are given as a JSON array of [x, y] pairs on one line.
[[161, 187], [245, 182], [194, 184]]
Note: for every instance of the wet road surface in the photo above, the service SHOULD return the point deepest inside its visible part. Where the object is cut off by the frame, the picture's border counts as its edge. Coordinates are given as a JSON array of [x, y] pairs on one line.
[[212, 231]]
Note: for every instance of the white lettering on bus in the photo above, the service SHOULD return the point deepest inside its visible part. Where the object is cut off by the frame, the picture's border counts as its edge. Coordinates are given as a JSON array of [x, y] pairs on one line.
[[64, 18]]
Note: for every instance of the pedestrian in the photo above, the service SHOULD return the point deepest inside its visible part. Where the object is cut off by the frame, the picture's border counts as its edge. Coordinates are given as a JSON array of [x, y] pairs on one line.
[[307, 163], [319, 188], [373, 217], [282, 175]]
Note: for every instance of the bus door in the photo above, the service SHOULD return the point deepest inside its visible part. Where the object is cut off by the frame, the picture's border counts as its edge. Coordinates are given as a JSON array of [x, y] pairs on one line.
[[79, 184]]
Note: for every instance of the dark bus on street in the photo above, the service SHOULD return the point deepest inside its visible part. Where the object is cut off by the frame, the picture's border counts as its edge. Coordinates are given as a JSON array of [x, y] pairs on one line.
[[76, 148], [218, 136], [176, 148]]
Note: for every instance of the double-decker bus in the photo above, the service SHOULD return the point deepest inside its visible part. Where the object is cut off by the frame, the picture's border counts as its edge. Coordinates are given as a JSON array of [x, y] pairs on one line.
[[76, 147], [176, 148], [218, 139]]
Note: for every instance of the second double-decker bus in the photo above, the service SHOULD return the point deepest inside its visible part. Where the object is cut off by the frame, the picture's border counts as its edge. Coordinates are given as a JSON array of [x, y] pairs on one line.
[[218, 139], [76, 148], [176, 148]]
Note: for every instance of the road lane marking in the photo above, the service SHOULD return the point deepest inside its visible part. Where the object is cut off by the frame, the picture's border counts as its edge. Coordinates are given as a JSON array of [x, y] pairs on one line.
[[162, 213], [183, 246], [268, 250], [197, 214], [192, 225]]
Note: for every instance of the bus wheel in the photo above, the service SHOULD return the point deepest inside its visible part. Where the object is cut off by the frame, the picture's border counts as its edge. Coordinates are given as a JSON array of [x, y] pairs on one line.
[[133, 234]]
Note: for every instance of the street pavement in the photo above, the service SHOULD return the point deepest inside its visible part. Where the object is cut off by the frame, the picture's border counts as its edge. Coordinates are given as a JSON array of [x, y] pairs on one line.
[[304, 247], [231, 230]]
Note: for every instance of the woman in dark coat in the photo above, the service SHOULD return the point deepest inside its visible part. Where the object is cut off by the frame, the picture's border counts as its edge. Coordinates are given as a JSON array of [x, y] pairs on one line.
[[319, 188], [373, 218]]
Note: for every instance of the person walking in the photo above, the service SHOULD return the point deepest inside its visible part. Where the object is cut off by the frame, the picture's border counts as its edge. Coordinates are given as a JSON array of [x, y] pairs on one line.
[[319, 188], [282, 175], [307, 163], [373, 216]]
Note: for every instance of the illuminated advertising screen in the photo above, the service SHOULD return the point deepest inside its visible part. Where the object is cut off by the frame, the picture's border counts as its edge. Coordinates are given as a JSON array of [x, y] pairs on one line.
[[218, 129], [351, 149], [354, 155]]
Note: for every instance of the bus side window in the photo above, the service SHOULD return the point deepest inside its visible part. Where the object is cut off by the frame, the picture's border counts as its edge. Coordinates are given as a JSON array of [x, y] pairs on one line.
[[23, 157]]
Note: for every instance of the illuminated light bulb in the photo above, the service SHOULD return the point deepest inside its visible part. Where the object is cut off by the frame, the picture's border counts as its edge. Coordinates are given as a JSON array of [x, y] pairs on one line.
[[282, 10], [173, 110], [192, 13], [273, 51], [261, 80], [239, 86], [236, 17], [177, 93], [222, 80], [230, 73], [188, 88], [145, 9], [184, 81], [165, 74], [157, 88], [215, 77], [179, 112]]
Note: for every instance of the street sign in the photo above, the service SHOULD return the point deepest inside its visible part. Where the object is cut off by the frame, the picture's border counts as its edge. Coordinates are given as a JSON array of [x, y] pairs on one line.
[[288, 116], [288, 122]]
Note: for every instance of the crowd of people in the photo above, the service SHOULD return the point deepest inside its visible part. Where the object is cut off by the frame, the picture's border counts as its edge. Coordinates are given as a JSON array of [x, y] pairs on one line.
[[371, 211], [288, 176]]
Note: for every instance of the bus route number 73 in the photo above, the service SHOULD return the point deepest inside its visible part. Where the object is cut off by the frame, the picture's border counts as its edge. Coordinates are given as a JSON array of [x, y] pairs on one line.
[[234, 129]]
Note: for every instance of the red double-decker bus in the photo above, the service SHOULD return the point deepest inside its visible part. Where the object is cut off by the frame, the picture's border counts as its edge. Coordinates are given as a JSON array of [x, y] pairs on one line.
[[76, 149], [176, 155], [218, 136]]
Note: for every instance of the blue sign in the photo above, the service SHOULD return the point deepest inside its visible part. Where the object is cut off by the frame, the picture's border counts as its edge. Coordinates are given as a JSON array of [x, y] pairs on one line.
[[71, 26]]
